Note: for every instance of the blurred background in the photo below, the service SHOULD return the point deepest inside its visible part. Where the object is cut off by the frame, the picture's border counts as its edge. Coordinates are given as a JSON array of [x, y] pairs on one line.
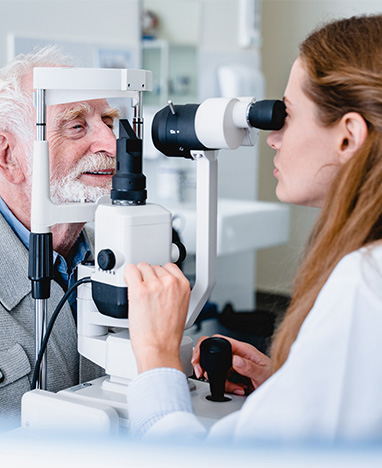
[[199, 49]]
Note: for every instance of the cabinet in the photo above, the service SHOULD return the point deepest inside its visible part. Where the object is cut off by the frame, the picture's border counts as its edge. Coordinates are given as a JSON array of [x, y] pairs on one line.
[[174, 68]]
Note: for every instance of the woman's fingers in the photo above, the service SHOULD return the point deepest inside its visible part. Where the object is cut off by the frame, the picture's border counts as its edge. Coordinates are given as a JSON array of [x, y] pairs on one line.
[[195, 361], [253, 366], [236, 388], [132, 275], [257, 373], [158, 303]]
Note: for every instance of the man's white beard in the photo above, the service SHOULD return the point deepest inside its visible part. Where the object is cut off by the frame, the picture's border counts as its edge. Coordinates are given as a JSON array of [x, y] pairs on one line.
[[71, 189], [75, 191]]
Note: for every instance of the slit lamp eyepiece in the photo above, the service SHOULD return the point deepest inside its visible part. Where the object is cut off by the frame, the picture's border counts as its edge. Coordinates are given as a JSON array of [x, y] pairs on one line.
[[216, 123]]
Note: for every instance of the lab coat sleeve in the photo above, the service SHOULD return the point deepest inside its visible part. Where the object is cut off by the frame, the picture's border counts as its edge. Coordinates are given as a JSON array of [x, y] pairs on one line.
[[160, 406]]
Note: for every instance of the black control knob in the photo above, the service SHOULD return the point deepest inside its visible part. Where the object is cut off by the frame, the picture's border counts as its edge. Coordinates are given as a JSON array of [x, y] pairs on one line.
[[106, 259], [216, 360]]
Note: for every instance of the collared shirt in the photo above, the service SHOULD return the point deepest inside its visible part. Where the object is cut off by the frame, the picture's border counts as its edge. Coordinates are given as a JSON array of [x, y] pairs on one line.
[[63, 273]]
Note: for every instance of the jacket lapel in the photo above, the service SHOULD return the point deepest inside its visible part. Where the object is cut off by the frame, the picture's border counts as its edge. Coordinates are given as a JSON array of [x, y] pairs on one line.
[[14, 282]]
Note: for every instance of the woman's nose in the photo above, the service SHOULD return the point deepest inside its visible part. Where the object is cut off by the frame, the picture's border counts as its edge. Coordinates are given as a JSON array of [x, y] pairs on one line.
[[274, 139]]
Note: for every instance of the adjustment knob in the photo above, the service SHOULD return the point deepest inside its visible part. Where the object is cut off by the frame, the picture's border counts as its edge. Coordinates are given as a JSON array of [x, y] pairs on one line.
[[106, 259], [216, 360], [178, 253]]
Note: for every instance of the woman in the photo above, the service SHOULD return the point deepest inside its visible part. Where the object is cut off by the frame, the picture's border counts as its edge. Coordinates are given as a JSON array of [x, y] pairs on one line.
[[321, 382]]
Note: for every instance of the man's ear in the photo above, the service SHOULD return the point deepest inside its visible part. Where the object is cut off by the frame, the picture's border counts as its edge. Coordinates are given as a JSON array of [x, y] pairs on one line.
[[353, 133], [10, 166]]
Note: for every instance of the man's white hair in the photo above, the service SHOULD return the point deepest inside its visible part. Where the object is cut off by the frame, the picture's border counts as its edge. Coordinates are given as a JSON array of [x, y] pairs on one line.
[[16, 103]]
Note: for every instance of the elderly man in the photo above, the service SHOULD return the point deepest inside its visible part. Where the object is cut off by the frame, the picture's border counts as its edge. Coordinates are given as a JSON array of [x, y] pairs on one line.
[[82, 156]]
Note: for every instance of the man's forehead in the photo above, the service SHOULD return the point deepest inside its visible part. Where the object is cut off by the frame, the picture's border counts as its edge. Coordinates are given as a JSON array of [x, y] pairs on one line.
[[84, 108]]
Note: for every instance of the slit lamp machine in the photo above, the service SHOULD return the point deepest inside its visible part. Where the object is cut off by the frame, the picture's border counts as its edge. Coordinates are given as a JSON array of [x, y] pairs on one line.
[[129, 230]]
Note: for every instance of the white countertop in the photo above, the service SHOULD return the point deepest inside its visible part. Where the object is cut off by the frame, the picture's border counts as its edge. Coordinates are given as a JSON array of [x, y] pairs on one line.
[[243, 225]]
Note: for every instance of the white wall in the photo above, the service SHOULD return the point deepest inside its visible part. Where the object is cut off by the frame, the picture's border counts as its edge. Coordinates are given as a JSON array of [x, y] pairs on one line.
[[99, 21], [213, 26], [285, 23], [178, 20]]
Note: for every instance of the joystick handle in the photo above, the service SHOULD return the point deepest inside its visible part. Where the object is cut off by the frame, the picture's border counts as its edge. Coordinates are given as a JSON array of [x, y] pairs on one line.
[[216, 360]]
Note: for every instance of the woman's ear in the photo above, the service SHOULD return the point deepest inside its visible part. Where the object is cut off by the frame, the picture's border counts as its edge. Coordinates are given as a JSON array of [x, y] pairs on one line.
[[10, 166], [353, 133]]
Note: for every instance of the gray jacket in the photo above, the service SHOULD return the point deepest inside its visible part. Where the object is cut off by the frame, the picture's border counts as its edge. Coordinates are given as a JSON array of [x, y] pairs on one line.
[[17, 347]]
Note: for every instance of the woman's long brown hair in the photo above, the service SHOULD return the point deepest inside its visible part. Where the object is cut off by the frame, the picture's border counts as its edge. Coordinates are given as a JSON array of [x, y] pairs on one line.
[[343, 61]]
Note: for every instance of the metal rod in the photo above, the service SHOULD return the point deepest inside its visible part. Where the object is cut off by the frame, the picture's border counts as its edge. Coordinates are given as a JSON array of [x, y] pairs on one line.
[[172, 108], [40, 114], [138, 118], [40, 305], [40, 329]]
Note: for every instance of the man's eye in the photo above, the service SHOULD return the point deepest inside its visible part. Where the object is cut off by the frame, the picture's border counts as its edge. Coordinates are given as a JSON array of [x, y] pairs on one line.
[[77, 127], [109, 124]]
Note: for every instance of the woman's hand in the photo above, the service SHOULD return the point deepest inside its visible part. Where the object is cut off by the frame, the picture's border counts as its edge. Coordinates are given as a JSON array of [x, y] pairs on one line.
[[158, 303], [253, 366]]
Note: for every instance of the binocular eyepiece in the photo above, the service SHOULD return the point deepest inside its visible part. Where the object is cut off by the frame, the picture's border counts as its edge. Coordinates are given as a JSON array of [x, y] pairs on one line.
[[214, 124]]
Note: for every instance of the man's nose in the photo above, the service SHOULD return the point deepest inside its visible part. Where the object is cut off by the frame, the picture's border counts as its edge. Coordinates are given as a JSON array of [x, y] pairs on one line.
[[103, 140]]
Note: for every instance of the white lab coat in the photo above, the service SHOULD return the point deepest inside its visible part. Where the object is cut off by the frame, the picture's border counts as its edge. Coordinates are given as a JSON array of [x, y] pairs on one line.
[[330, 388]]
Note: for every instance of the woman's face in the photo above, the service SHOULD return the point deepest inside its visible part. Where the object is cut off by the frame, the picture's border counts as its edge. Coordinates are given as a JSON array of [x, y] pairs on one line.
[[306, 161]]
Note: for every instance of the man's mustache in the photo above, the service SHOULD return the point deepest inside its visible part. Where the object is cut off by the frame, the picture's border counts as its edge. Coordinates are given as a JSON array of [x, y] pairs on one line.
[[93, 163]]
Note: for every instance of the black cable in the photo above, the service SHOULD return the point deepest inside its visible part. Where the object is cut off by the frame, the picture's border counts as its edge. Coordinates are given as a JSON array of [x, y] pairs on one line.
[[37, 365]]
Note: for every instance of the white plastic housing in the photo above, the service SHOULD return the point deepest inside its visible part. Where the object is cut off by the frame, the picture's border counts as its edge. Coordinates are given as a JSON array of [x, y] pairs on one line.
[[143, 233], [67, 84], [140, 233], [222, 123], [111, 350], [206, 232], [43, 411]]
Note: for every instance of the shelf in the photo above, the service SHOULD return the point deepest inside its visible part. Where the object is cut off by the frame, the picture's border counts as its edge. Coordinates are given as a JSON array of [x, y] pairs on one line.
[[174, 68]]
